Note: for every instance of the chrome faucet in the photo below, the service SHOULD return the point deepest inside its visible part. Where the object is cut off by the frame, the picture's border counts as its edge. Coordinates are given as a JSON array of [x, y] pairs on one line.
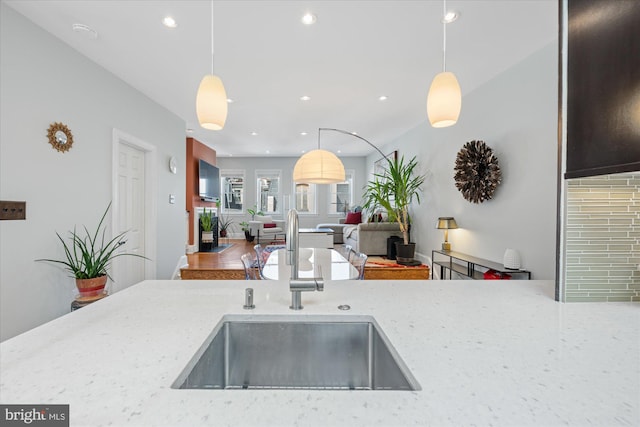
[[296, 284]]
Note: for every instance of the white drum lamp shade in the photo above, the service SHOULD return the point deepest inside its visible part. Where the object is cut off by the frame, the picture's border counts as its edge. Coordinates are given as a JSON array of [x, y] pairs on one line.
[[211, 103], [319, 167], [444, 100]]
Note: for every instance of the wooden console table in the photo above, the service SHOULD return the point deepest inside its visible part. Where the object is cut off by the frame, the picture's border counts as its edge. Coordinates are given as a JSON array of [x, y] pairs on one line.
[[465, 265]]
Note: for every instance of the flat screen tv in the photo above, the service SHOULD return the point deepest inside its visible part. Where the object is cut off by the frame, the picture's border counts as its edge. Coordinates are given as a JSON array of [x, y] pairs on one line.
[[209, 182]]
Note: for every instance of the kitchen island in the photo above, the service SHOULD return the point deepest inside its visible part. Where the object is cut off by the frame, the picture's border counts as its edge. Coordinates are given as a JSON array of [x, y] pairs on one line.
[[485, 353]]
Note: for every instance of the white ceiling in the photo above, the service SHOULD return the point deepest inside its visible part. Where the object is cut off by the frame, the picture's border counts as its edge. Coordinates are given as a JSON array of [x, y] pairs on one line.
[[267, 59]]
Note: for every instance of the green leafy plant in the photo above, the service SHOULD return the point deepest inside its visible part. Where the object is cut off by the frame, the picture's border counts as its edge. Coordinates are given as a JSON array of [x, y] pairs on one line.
[[224, 224], [244, 225], [254, 211], [394, 190], [90, 256], [206, 220]]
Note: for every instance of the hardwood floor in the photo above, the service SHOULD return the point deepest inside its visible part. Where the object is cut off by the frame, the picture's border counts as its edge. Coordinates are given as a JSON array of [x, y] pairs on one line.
[[221, 265]]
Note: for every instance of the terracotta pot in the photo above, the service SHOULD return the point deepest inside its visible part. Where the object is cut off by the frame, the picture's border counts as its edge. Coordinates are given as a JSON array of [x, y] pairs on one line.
[[91, 287], [223, 233]]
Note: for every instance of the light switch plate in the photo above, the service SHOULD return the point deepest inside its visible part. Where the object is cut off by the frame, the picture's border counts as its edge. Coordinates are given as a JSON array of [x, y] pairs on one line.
[[172, 199]]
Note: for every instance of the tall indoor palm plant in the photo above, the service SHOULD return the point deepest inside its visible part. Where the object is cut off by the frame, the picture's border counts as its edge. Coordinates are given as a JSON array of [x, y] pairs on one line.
[[394, 190]]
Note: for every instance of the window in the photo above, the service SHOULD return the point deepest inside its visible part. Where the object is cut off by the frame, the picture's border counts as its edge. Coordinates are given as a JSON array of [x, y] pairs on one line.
[[232, 182], [305, 198], [341, 195], [268, 194]]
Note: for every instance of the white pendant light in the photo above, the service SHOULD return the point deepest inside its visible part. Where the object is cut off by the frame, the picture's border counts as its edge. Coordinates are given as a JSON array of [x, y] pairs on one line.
[[445, 97], [211, 100], [318, 167], [211, 103]]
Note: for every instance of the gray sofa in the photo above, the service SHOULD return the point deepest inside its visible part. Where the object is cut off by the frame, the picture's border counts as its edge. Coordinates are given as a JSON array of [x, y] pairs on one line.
[[370, 237], [337, 230]]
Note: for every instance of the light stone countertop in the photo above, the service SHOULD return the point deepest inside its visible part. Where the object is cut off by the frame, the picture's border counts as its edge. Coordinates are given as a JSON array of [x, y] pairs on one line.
[[500, 353]]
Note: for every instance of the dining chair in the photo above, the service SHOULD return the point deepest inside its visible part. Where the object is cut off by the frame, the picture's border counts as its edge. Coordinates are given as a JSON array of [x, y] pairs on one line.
[[260, 258], [348, 251], [359, 260], [249, 269]]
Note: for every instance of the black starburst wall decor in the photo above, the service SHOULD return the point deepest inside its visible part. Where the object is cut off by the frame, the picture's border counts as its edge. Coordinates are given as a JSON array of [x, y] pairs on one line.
[[477, 171]]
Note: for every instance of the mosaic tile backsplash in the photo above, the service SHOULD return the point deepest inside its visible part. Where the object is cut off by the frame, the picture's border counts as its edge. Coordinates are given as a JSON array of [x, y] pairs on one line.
[[603, 238]]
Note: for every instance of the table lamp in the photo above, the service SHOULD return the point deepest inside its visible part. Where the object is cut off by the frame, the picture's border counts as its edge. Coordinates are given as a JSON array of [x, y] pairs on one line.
[[446, 223]]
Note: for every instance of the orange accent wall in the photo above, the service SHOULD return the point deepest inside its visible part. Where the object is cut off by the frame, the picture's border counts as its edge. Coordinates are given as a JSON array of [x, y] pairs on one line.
[[196, 151]]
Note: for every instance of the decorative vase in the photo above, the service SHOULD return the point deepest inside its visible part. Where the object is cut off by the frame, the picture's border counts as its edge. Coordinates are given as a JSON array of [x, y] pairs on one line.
[[207, 236], [248, 236], [511, 259], [91, 287], [223, 233]]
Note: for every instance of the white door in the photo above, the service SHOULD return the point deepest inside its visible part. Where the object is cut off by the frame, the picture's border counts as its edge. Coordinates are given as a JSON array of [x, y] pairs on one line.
[[130, 212]]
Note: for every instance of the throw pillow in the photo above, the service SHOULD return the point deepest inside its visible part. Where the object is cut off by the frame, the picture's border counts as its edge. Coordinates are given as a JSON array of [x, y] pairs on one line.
[[353, 218], [269, 225]]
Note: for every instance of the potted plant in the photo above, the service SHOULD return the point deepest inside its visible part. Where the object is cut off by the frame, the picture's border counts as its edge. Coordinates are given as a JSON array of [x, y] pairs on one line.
[[89, 256], [394, 189], [247, 231], [206, 227], [254, 211], [224, 224]]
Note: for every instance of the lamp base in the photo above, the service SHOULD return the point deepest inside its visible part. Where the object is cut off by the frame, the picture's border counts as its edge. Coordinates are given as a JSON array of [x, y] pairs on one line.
[[446, 246]]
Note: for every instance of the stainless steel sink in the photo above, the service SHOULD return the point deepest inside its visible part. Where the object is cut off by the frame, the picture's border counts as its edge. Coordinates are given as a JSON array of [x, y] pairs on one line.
[[297, 352]]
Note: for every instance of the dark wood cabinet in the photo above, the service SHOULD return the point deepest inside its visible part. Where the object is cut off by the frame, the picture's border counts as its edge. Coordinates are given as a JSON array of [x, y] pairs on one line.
[[603, 87]]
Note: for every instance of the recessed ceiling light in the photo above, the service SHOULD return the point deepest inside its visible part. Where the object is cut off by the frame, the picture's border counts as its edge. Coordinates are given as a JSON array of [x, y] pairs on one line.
[[229, 101], [354, 133], [305, 98], [303, 151], [309, 18], [169, 22], [339, 151], [450, 16], [268, 152], [303, 133], [86, 30], [382, 98], [254, 133], [189, 130]]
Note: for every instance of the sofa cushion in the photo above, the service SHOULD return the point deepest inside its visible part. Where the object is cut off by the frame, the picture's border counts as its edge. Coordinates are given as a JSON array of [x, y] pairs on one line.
[[353, 218], [350, 231], [269, 225], [264, 218]]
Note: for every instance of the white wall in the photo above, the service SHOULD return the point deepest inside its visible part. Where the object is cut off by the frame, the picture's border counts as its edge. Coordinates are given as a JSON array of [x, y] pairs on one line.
[[43, 81], [516, 115], [286, 164]]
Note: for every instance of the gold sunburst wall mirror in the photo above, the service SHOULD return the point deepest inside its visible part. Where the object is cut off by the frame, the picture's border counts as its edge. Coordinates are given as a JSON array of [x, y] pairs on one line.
[[60, 137]]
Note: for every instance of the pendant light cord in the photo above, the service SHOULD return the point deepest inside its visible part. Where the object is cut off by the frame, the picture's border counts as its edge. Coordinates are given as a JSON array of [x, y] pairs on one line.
[[444, 36], [212, 37]]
